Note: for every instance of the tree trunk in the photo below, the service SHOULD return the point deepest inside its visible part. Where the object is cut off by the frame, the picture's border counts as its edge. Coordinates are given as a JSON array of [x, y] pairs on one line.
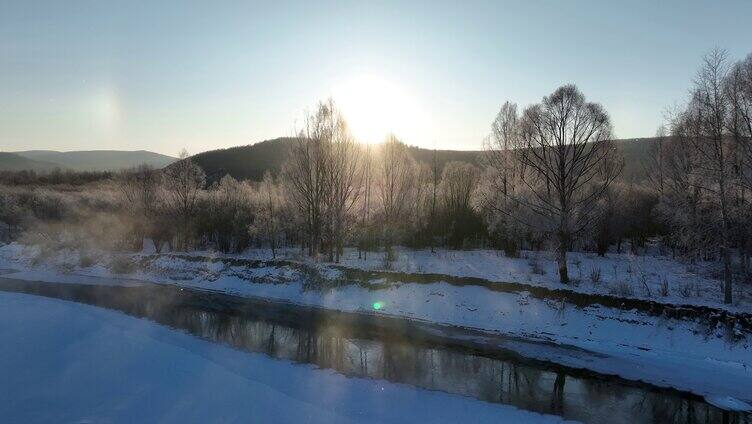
[[727, 277], [745, 260], [561, 259], [184, 246], [725, 251]]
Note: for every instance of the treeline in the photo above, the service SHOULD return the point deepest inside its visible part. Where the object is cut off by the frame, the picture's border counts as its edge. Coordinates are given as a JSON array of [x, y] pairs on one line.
[[56, 176], [703, 172]]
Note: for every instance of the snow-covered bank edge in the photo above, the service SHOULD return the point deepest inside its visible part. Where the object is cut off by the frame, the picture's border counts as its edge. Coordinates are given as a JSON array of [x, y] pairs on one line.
[[650, 277], [660, 351], [92, 364], [382, 279]]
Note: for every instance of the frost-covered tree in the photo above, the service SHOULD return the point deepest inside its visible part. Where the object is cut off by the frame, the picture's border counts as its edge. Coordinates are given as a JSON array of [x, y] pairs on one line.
[[142, 197], [394, 186], [323, 176], [566, 162], [268, 225], [738, 91], [706, 193], [706, 117], [459, 182], [500, 180], [365, 228], [435, 175], [183, 182], [345, 175], [11, 214], [709, 166], [225, 213]]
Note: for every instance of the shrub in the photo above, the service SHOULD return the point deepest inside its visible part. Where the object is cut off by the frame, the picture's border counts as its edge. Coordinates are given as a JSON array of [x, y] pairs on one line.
[[85, 261], [67, 268], [621, 288], [122, 265], [42, 256], [595, 275], [535, 266], [389, 257], [664, 287], [314, 279], [686, 290], [645, 286], [511, 248]]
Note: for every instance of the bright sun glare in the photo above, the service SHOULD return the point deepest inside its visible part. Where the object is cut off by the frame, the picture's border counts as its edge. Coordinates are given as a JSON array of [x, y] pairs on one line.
[[375, 107]]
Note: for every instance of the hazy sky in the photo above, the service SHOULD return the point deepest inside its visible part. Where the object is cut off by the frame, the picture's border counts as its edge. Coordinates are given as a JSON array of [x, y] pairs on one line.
[[162, 75]]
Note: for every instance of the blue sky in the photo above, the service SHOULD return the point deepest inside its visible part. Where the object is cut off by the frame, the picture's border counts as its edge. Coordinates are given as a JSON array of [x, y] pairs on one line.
[[165, 75]]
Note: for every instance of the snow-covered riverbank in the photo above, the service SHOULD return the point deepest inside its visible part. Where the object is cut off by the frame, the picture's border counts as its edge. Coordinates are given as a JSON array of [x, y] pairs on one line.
[[67, 362], [653, 277], [661, 351]]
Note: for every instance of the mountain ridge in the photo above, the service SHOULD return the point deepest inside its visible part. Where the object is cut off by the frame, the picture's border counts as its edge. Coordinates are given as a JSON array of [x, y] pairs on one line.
[[88, 160], [10, 161]]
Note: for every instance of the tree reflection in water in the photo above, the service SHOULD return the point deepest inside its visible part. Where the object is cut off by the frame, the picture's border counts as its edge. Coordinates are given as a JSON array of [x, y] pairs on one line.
[[380, 353], [450, 370]]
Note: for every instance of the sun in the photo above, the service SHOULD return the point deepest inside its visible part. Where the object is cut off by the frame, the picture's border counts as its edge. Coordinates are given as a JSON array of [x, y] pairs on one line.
[[375, 107]]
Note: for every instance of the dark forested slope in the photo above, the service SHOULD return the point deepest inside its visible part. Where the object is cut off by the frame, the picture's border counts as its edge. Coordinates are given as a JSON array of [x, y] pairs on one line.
[[251, 161]]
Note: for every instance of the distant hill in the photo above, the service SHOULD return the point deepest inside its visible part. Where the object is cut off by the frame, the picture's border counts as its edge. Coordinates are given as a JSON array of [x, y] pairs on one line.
[[636, 152], [245, 162], [98, 160], [251, 161], [15, 162], [443, 156]]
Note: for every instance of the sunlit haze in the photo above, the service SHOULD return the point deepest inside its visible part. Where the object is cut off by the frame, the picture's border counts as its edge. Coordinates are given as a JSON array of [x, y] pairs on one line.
[[375, 107], [167, 75]]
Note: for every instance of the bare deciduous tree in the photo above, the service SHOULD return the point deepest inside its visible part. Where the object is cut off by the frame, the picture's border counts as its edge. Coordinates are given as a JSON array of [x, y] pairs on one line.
[[500, 183], [323, 172], [435, 182], [226, 213], [140, 189], [739, 125], [681, 200], [12, 215], [504, 136], [566, 163], [268, 219], [365, 225], [394, 185], [458, 184], [183, 181], [655, 162], [705, 120], [738, 90], [345, 175]]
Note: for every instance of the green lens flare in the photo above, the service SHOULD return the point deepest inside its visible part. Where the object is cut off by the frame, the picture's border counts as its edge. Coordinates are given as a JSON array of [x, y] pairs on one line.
[[377, 305]]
